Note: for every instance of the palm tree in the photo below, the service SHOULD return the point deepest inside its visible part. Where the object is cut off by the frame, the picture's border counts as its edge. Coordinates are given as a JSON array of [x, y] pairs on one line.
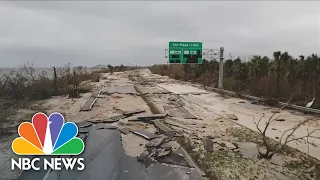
[[276, 56], [291, 73], [228, 68]]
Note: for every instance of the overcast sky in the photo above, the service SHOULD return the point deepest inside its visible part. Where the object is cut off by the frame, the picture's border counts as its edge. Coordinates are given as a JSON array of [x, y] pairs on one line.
[[101, 32]]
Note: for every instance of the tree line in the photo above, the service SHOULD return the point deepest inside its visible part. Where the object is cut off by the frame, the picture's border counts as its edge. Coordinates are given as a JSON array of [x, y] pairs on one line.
[[280, 77]]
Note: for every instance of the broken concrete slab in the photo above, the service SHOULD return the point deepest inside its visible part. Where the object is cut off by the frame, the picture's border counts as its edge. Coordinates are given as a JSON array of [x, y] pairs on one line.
[[156, 142], [162, 127], [189, 160], [95, 121], [181, 112], [151, 117], [173, 158], [109, 120], [169, 135], [165, 146], [225, 144], [106, 127], [168, 107], [145, 159], [120, 90], [162, 152], [125, 131], [196, 93], [275, 111], [83, 124], [232, 116], [228, 145], [173, 98], [207, 144], [89, 104], [117, 117], [154, 90], [96, 94], [83, 130], [147, 135], [177, 103], [130, 113]]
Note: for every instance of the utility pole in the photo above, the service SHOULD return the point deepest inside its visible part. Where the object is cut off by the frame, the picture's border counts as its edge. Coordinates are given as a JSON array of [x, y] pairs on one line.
[[220, 86]]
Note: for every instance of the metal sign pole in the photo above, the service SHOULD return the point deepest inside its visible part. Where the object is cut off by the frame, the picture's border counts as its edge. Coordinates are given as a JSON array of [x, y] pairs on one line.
[[220, 86]]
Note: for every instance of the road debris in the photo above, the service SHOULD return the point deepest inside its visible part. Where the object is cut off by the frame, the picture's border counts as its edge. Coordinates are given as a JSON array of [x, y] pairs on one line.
[[165, 146], [169, 135], [117, 117], [172, 158], [181, 112], [151, 117], [102, 126], [94, 121], [162, 127], [147, 135], [232, 116], [155, 142], [168, 107], [83, 124], [130, 113], [125, 131], [162, 153], [83, 130], [228, 145], [208, 144], [119, 90], [96, 94], [89, 104]]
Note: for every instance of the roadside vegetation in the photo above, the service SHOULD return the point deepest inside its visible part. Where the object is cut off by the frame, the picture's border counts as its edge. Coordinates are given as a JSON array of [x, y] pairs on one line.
[[22, 87], [280, 78]]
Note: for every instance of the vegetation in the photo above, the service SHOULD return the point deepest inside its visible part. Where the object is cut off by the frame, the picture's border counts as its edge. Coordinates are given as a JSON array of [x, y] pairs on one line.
[[25, 84], [286, 137], [19, 88], [110, 69], [280, 78]]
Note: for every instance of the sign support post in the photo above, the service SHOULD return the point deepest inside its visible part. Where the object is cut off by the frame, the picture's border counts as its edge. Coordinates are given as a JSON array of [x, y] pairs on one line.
[[220, 85]]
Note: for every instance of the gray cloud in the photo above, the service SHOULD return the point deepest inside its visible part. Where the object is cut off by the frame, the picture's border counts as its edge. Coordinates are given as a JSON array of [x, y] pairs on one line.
[[101, 32]]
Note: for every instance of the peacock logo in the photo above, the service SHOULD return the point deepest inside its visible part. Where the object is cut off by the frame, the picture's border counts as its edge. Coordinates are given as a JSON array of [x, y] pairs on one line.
[[48, 136]]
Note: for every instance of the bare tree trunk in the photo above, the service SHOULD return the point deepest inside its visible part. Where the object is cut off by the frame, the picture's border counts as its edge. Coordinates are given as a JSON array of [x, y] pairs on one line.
[[55, 79]]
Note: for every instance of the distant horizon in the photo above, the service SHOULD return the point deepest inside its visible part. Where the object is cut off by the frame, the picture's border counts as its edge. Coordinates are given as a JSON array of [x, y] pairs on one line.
[[17, 67]]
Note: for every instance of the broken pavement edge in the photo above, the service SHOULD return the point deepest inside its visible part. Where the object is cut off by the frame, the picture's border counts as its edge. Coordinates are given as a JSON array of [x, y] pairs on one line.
[[155, 110]]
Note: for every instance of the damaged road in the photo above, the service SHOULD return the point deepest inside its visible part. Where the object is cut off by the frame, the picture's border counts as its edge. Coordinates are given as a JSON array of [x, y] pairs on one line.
[[105, 159], [220, 135], [192, 134], [123, 139]]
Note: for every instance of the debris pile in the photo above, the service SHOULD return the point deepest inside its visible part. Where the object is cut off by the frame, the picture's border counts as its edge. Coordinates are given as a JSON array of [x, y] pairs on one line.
[[158, 149], [211, 144]]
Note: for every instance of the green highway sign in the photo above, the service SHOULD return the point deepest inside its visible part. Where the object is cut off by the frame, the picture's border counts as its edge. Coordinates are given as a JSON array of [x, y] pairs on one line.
[[185, 52]]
